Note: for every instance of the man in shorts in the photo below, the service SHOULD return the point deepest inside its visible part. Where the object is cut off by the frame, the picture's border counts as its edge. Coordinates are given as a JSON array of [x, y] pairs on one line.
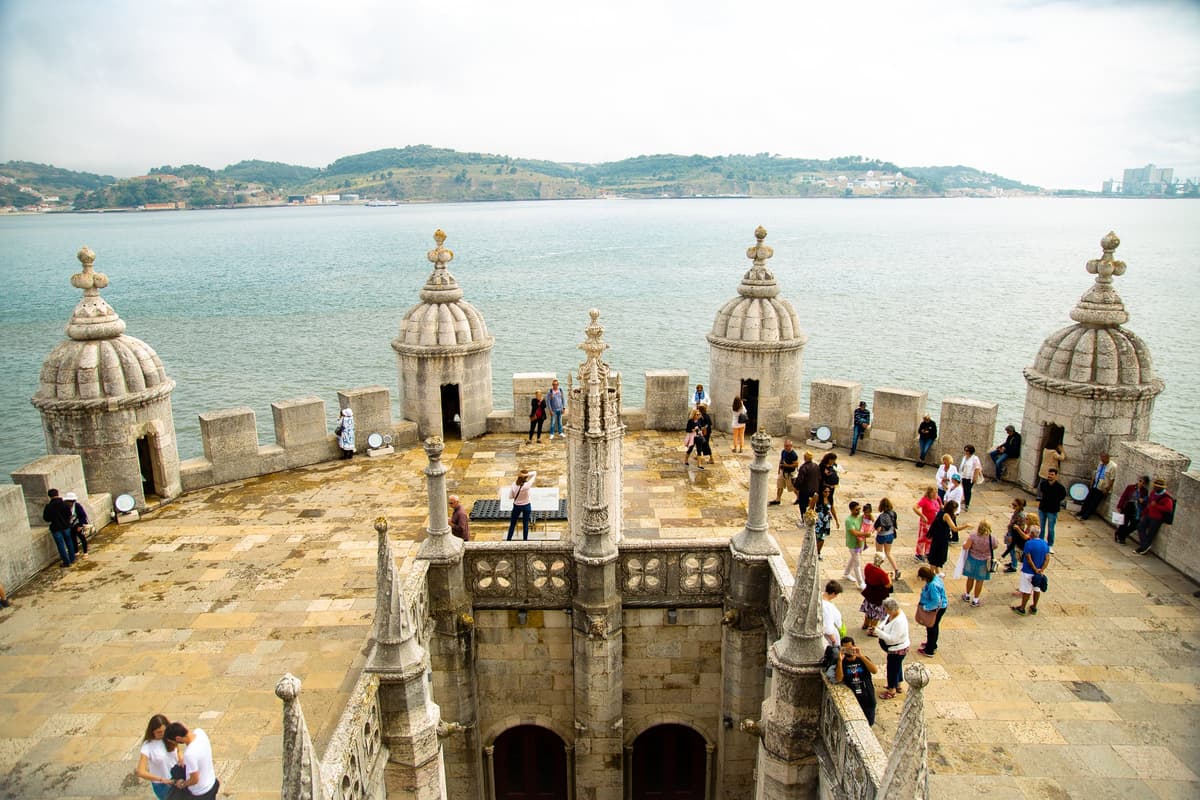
[[1033, 564]]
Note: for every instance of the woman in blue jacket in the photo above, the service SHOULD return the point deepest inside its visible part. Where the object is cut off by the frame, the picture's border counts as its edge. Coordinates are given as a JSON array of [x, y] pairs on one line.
[[931, 606]]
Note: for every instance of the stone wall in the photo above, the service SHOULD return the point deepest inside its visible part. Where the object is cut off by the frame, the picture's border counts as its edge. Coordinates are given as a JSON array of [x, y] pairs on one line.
[[672, 670], [525, 672], [302, 437], [965, 421], [852, 761], [26, 546], [1175, 544]]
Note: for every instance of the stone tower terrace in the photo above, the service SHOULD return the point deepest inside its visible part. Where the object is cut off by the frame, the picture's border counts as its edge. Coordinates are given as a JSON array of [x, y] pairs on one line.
[[197, 610]]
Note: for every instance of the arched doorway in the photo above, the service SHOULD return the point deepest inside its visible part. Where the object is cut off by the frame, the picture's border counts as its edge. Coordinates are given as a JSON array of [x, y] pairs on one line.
[[451, 411], [530, 763], [749, 394], [668, 764]]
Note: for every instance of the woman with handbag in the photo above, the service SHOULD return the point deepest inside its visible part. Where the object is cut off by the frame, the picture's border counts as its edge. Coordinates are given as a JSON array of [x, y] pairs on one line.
[[931, 608], [980, 548], [740, 418], [522, 507], [893, 638], [926, 510], [886, 528], [345, 433]]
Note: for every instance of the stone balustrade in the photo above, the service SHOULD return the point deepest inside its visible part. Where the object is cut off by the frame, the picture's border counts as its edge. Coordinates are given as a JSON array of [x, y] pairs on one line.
[[852, 761]]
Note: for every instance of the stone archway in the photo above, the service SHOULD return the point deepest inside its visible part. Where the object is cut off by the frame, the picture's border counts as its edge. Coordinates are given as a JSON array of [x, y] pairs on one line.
[[669, 763], [529, 762]]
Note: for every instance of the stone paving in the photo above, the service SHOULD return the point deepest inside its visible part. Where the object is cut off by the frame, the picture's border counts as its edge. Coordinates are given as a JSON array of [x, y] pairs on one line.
[[198, 609]]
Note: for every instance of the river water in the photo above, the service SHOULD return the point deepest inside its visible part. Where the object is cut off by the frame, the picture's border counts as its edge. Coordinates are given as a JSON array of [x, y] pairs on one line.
[[251, 306]]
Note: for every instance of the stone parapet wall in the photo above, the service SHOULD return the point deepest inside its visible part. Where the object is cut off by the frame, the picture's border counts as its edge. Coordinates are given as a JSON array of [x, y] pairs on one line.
[[1175, 544], [356, 757], [852, 762], [302, 437], [26, 546]]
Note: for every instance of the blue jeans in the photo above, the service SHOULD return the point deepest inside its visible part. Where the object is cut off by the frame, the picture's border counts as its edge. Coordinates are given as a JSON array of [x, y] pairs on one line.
[[1048, 521], [525, 512], [858, 431], [1147, 530], [926, 446], [66, 546], [998, 459], [556, 423]]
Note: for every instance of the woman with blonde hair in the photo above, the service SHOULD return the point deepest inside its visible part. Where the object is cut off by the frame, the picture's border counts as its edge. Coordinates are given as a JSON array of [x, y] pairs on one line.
[[740, 418], [157, 757], [944, 472], [522, 504], [980, 547], [695, 427]]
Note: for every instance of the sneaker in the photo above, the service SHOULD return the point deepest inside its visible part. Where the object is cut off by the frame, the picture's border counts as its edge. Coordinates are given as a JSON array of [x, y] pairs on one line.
[[1051, 549], [1010, 568], [1033, 610], [896, 575], [773, 502], [921, 559], [975, 602], [820, 557], [4, 604], [1018, 610], [1141, 552], [966, 597]]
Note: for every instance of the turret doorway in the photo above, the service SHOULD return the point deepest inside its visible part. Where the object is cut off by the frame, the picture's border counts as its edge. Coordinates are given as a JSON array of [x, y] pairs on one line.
[[147, 451], [749, 395], [451, 411]]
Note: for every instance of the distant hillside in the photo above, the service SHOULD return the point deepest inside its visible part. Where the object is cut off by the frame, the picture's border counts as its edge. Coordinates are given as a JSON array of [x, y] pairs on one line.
[[421, 173], [48, 179]]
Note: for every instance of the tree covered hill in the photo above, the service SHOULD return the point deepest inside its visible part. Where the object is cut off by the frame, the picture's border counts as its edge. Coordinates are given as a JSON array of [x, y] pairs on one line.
[[421, 173]]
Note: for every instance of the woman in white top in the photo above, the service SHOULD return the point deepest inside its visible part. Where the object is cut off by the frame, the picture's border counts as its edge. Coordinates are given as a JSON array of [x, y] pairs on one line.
[[971, 469], [893, 638], [943, 476], [522, 505], [157, 757]]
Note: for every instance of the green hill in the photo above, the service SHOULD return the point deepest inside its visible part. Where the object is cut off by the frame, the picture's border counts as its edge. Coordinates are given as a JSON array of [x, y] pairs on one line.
[[421, 173]]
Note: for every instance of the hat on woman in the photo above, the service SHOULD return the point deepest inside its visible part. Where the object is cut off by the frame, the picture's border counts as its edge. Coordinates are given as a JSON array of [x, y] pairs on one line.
[[1159, 483], [347, 412], [73, 496]]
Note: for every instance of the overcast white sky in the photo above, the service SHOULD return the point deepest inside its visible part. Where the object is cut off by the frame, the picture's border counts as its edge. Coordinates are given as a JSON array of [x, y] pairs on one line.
[[1060, 94]]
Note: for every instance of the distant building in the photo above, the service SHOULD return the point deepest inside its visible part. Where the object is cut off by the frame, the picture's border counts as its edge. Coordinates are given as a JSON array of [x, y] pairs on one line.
[[1148, 180]]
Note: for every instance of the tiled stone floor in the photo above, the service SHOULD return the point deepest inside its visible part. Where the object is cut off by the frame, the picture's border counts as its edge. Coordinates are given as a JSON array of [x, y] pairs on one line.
[[198, 609]]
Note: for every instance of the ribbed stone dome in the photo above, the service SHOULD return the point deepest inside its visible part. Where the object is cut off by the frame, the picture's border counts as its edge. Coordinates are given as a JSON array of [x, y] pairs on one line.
[[442, 319], [758, 316], [1097, 355], [98, 366]]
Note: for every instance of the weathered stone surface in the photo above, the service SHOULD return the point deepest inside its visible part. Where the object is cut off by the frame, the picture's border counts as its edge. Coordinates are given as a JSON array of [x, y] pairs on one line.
[[832, 403]]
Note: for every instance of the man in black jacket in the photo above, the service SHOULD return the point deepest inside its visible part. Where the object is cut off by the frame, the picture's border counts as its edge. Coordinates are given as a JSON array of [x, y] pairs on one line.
[[926, 436], [1011, 449], [58, 514]]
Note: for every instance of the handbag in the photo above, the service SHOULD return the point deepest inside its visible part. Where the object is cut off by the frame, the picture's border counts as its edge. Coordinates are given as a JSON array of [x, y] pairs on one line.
[[338, 430], [743, 418], [992, 565], [1039, 582], [925, 618]]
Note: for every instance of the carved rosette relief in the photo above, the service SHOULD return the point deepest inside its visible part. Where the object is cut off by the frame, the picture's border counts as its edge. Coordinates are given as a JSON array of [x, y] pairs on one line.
[[644, 574], [494, 576], [548, 576], [701, 573]]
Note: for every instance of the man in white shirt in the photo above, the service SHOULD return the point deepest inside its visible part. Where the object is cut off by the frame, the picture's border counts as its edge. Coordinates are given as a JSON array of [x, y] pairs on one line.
[[830, 616], [201, 778], [971, 470]]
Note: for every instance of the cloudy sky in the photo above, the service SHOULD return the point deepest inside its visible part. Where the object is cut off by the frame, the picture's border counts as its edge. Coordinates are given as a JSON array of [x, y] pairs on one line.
[[1060, 94]]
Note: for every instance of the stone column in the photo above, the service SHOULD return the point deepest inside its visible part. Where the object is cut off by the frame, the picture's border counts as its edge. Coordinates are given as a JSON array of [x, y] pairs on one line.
[[409, 716], [453, 640], [744, 637], [907, 775], [301, 766], [787, 759]]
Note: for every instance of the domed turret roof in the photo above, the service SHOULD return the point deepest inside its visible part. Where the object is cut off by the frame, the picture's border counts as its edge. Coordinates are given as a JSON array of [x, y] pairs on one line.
[[758, 318], [1096, 356], [442, 323], [98, 367]]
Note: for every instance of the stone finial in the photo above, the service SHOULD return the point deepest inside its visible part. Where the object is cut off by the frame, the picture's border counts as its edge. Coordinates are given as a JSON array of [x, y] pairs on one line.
[[907, 773], [753, 542], [594, 346], [1101, 305], [396, 647], [595, 409], [803, 641], [759, 281], [439, 545], [301, 766], [440, 287], [93, 318]]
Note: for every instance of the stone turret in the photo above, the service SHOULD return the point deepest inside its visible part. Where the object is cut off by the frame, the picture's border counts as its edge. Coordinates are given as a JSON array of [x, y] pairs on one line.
[[756, 350], [444, 357], [1094, 380], [106, 397]]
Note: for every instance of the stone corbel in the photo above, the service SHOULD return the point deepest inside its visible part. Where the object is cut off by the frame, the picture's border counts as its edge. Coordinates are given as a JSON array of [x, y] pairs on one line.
[[752, 727]]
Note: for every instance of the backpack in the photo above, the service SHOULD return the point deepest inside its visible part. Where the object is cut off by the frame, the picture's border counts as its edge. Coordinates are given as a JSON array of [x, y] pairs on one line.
[[1168, 517]]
